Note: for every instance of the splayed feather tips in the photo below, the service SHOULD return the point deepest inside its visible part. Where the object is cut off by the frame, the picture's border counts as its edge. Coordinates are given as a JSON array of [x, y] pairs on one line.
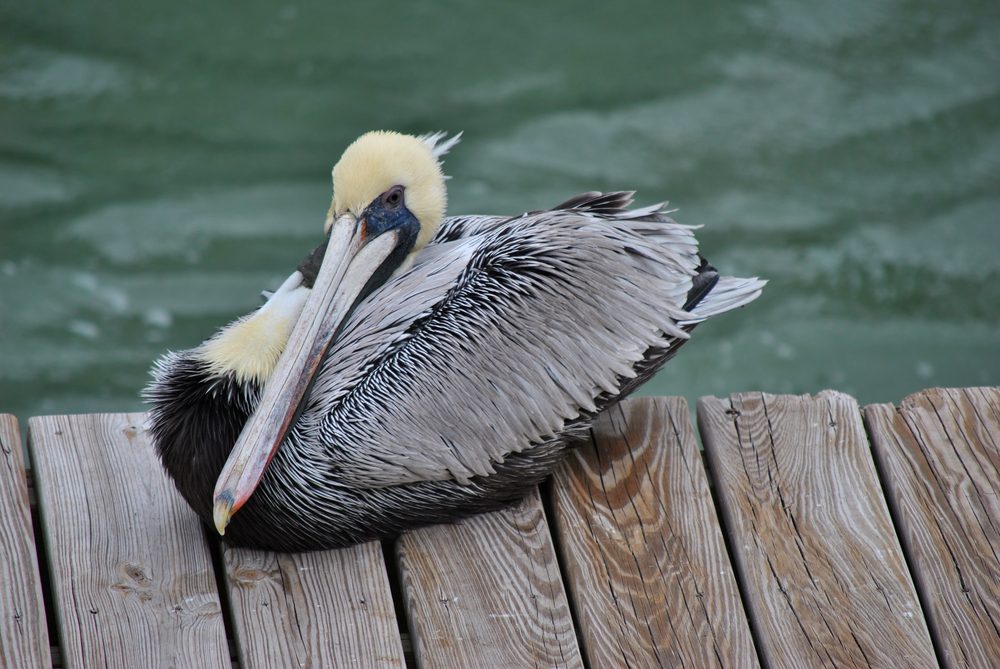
[[439, 148]]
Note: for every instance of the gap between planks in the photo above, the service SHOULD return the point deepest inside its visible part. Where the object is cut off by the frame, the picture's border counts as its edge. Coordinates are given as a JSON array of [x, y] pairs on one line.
[[24, 639], [131, 573], [650, 578], [939, 454], [486, 592], [822, 573]]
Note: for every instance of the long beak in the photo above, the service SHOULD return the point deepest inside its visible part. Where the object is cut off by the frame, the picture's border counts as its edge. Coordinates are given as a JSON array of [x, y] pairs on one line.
[[349, 262]]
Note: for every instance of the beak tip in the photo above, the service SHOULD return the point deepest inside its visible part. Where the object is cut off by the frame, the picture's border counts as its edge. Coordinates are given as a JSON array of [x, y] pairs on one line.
[[223, 512]]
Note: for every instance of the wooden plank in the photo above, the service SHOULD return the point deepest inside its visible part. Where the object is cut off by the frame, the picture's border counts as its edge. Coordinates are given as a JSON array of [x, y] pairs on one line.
[[24, 639], [940, 456], [321, 609], [131, 571], [486, 592], [822, 573], [648, 571]]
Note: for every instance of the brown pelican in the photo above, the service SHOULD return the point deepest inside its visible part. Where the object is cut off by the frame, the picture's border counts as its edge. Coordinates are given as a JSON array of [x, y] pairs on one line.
[[416, 368]]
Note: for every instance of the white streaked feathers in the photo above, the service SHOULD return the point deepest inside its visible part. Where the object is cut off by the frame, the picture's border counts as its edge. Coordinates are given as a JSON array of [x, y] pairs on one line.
[[495, 341]]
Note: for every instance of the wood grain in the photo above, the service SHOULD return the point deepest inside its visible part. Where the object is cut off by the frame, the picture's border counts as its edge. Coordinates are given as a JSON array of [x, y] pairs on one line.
[[486, 592], [646, 563], [940, 456], [24, 639], [822, 573], [131, 572], [322, 609]]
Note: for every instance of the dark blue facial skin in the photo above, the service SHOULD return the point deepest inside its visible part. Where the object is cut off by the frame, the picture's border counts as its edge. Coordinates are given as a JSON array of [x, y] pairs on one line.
[[388, 212]]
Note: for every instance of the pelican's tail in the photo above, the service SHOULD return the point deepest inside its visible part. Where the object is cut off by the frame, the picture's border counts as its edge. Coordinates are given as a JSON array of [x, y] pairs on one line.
[[710, 294], [724, 294]]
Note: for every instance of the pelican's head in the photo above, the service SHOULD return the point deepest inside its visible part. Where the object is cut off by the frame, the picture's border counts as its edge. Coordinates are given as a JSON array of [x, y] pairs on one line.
[[388, 200], [388, 178]]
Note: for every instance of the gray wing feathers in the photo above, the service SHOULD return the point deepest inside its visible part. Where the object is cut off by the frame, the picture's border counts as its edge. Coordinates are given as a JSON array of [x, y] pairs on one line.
[[495, 342]]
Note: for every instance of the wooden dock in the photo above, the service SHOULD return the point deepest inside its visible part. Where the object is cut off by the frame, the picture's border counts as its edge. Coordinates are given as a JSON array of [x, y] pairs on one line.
[[808, 532]]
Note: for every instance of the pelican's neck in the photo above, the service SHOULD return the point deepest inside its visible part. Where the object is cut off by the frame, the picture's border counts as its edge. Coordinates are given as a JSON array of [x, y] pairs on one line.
[[248, 348]]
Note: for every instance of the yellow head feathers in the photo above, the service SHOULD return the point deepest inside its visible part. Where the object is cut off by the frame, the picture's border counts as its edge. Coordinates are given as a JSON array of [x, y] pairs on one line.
[[379, 160]]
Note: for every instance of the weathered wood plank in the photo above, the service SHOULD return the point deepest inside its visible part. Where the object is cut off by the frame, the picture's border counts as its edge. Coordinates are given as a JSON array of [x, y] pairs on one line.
[[486, 592], [823, 576], [323, 609], [24, 639], [647, 566], [940, 456], [132, 575]]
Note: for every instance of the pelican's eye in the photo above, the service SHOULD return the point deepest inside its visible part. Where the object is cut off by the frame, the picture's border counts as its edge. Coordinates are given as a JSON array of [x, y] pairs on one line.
[[393, 198]]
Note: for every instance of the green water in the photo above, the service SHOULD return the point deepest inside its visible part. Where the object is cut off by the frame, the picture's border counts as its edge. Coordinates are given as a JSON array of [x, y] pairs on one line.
[[160, 163]]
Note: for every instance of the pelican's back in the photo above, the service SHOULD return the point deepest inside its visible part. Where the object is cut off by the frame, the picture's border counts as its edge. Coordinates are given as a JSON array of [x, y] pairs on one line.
[[507, 334]]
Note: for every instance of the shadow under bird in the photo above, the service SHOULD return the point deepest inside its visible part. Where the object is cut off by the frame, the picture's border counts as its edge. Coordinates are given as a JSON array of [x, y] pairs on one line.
[[415, 368]]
